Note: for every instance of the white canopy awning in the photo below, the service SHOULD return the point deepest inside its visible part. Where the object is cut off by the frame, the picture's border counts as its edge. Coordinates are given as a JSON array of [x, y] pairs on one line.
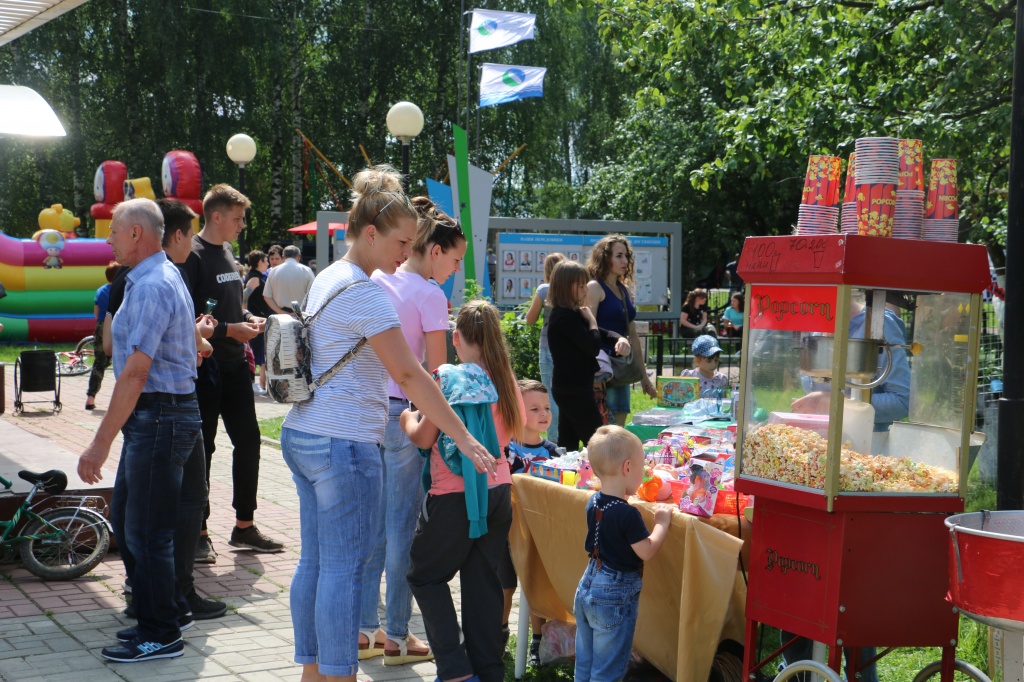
[[18, 17]]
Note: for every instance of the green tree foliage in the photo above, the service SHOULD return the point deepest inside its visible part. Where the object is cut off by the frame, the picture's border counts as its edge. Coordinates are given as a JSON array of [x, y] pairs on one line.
[[133, 79], [734, 94]]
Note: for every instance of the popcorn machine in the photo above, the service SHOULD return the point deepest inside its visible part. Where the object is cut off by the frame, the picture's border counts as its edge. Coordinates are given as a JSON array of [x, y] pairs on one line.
[[860, 360]]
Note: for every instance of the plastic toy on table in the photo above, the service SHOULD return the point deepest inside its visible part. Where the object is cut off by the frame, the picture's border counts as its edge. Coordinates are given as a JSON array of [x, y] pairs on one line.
[[705, 478]]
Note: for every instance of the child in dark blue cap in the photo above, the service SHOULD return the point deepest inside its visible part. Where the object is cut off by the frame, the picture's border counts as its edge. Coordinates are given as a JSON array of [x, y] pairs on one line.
[[705, 364]]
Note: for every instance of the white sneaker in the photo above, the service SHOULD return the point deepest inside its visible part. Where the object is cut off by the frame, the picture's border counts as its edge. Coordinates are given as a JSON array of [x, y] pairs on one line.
[[257, 390]]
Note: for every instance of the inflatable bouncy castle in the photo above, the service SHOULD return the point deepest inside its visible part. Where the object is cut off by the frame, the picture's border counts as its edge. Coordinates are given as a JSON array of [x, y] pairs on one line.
[[51, 279]]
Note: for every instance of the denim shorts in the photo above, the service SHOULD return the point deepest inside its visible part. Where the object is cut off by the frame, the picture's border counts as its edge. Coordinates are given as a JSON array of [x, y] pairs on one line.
[[617, 399]]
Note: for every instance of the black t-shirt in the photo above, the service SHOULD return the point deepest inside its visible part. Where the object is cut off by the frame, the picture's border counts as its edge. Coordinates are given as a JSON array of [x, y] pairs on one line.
[[257, 305], [621, 528], [210, 272], [694, 314], [117, 288]]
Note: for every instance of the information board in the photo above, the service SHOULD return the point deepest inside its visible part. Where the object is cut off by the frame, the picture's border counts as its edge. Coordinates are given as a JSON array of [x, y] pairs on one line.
[[521, 255]]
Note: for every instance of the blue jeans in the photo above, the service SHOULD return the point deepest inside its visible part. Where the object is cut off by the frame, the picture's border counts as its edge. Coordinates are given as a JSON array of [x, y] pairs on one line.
[[339, 486], [605, 607], [402, 497], [191, 506], [546, 367], [159, 438]]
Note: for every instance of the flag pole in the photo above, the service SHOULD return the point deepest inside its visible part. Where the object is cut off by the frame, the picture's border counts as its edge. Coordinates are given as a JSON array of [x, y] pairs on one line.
[[469, 86], [458, 78], [478, 126]]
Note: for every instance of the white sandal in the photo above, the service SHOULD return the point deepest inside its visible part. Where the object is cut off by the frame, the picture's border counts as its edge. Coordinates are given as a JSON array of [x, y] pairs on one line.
[[402, 656], [372, 647]]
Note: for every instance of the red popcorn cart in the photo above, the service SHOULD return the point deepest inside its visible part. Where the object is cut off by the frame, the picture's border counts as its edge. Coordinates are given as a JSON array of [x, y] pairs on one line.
[[874, 342]]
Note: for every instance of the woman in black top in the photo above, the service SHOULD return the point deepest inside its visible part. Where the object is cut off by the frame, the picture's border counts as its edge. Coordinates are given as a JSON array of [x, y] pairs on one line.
[[575, 339], [252, 299], [693, 321]]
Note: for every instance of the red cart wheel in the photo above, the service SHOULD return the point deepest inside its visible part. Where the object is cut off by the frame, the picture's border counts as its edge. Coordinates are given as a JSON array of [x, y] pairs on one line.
[[820, 669], [964, 670]]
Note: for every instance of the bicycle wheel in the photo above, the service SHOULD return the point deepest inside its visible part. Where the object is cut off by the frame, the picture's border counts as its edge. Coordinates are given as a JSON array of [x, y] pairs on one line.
[[78, 361], [791, 671], [78, 544], [962, 671]]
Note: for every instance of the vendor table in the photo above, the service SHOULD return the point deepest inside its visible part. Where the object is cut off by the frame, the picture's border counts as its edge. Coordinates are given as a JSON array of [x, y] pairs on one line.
[[645, 433], [693, 595]]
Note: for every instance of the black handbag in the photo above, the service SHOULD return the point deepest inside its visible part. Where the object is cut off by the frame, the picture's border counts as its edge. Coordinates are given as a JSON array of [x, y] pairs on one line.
[[624, 371]]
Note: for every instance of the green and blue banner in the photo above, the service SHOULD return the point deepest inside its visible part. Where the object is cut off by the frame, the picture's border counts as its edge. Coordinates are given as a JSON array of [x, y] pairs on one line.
[[500, 83]]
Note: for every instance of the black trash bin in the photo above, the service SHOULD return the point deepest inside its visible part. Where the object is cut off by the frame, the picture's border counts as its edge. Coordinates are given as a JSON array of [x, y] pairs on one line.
[[36, 371]]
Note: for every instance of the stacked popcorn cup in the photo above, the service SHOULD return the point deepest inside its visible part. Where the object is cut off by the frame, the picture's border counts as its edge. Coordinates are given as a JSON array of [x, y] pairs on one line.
[[877, 175], [819, 212], [909, 212], [942, 211], [849, 215]]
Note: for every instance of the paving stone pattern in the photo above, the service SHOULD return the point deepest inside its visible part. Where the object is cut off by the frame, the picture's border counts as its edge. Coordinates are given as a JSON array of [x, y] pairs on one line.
[[53, 631]]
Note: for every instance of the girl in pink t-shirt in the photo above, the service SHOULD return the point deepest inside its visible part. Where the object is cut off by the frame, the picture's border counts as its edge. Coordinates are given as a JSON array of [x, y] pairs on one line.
[[422, 309], [442, 545]]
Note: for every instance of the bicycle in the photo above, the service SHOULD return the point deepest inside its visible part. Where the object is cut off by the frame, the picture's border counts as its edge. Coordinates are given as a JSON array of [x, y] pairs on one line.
[[63, 542], [78, 361]]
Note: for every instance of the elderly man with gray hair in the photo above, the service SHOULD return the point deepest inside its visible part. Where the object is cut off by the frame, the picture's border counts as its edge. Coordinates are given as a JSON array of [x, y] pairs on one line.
[[289, 281], [154, 406]]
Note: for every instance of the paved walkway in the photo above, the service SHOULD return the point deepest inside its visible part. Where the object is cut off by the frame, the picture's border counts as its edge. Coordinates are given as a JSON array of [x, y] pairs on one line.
[[53, 631]]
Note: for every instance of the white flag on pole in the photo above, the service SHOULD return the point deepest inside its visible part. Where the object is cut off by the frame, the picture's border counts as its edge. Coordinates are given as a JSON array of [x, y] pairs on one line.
[[501, 83], [489, 29]]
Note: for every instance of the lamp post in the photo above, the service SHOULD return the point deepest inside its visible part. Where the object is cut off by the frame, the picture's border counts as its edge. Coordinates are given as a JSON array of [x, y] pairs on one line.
[[241, 150], [405, 121]]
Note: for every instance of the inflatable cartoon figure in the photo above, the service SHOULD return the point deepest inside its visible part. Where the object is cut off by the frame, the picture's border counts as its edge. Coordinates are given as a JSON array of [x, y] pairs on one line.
[[183, 180], [58, 218], [108, 188], [52, 242]]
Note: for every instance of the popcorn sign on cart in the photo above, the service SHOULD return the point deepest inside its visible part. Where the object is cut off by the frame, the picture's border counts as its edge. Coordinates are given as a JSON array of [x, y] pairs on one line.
[[854, 431]]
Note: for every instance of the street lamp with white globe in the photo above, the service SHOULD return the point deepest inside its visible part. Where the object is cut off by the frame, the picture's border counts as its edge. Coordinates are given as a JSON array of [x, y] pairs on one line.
[[241, 150], [405, 122]]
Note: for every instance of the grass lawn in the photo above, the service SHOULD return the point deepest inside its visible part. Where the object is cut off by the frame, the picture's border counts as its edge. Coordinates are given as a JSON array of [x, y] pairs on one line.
[[9, 352]]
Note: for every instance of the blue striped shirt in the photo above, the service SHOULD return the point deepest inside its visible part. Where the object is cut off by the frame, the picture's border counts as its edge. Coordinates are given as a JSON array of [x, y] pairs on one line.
[[157, 319]]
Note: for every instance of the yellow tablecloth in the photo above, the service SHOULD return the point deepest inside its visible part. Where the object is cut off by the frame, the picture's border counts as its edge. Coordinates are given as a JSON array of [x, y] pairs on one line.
[[693, 596]]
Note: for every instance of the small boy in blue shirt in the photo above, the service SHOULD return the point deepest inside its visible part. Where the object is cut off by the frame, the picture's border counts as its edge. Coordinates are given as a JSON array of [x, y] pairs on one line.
[[534, 448], [608, 597]]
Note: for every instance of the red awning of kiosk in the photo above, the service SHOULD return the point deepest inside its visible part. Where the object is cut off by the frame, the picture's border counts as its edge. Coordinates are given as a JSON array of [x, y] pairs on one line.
[[310, 228]]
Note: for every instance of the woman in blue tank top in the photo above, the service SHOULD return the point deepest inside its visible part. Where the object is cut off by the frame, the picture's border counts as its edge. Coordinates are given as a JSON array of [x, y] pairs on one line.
[[610, 267]]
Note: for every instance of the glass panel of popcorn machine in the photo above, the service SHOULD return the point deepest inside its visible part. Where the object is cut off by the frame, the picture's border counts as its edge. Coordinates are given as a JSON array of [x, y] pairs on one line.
[[900, 435], [785, 416]]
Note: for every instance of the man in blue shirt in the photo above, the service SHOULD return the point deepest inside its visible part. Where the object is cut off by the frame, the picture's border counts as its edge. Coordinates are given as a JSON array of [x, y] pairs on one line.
[[155, 407]]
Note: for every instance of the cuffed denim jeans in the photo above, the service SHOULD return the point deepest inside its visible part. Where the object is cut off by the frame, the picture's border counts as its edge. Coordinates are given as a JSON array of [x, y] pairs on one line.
[[339, 486], [159, 438], [547, 365], [605, 607], [402, 497]]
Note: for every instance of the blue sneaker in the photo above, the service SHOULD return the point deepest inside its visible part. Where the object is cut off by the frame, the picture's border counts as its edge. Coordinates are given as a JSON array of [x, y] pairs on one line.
[[140, 650], [129, 634]]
